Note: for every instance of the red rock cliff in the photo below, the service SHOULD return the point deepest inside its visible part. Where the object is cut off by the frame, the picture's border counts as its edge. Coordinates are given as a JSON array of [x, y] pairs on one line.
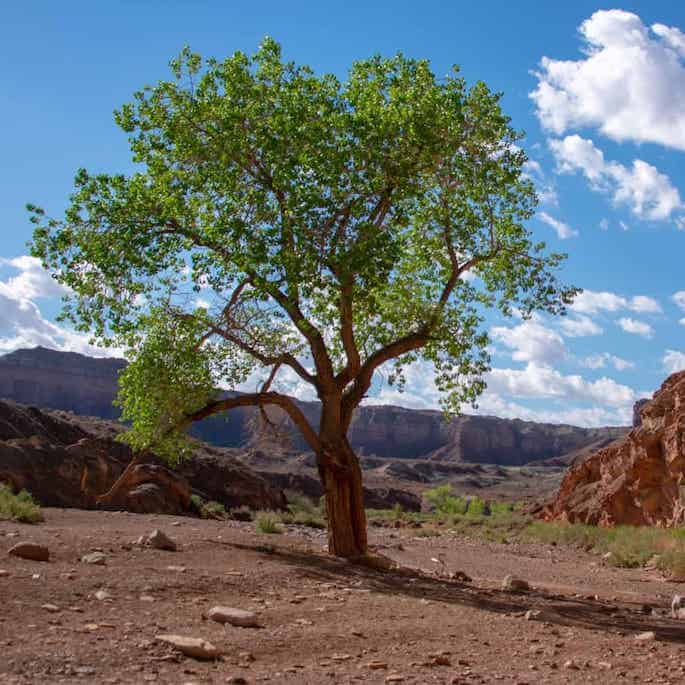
[[638, 480]]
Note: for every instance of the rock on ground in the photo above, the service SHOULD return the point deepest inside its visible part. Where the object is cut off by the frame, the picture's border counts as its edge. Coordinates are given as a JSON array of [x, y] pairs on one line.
[[195, 647], [31, 551], [236, 617]]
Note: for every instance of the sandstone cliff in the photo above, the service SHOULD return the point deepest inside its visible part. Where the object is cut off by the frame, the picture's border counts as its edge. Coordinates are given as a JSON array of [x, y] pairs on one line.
[[637, 480], [87, 386], [67, 461]]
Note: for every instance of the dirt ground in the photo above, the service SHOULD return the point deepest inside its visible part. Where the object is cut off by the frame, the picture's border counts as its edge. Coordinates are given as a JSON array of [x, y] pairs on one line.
[[322, 620]]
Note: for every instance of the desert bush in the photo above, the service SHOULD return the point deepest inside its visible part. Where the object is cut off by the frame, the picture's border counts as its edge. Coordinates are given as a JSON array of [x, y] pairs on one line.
[[444, 502], [427, 533], [478, 507], [267, 522], [19, 507], [207, 510]]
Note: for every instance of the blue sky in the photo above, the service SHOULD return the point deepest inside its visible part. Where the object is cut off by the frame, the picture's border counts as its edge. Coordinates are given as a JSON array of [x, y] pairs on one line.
[[600, 93]]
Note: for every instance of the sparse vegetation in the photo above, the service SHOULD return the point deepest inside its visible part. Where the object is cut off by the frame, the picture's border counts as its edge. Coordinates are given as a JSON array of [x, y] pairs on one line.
[[208, 510], [242, 513], [268, 522], [19, 507]]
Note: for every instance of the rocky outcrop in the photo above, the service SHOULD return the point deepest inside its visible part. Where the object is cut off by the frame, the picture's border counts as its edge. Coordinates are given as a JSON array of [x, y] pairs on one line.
[[68, 461], [87, 386], [637, 480]]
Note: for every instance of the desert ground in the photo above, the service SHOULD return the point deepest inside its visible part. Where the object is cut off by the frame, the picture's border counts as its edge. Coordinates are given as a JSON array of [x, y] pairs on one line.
[[322, 620]]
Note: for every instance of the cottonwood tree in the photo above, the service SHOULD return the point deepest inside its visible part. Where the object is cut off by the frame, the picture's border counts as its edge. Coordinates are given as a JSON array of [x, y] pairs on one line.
[[285, 225]]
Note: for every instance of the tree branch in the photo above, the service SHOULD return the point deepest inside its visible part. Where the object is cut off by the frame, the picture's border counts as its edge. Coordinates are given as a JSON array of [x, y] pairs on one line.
[[261, 399]]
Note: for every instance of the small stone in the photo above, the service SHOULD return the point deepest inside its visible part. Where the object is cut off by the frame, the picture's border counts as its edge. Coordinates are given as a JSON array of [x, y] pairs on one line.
[[236, 617], [3, 573], [377, 665], [395, 678], [571, 665], [52, 608], [236, 680], [515, 584], [605, 665], [31, 551], [96, 558], [102, 595], [195, 647], [649, 636], [147, 598], [176, 569], [159, 540]]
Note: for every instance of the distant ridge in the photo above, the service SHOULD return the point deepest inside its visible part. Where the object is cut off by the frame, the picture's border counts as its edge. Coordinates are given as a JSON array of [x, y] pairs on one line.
[[86, 386]]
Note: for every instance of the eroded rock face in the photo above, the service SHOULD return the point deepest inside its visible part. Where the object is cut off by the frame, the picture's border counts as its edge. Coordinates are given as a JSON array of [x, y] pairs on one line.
[[68, 461], [637, 480], [87, 386]]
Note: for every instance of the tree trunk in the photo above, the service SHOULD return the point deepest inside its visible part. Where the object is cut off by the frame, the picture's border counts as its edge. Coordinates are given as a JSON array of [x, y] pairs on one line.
[[342, 480]]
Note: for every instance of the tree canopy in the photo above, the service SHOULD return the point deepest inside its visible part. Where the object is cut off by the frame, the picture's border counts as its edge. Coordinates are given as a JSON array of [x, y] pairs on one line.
[[284, 222]]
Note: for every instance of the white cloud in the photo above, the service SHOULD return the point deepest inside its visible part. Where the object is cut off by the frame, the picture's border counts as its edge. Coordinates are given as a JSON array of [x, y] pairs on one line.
[[531, 342], [604, 224], [600, 361], [679, 299], [673, 361], [32, 282], [564, 231], [647, 192], [580, 326], [602, 402], [21, 321], [645, 305], [593, 302], [542, 381], [629, 82], [636, 327]]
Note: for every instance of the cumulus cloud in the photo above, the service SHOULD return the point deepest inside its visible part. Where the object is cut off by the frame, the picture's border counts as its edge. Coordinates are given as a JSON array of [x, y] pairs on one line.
[[565, 399], [600, 361], [543, 382], [641, 187], [673, 360], [32, 282], [679, 299], [636, 327], [580, 326], [530, 341], [629, 82], [21, 321], [593, 302], [564, 231]]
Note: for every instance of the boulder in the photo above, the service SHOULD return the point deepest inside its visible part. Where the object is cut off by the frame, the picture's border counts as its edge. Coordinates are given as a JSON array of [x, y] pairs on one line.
[[195, 647], [31, 551], [235, 617], [636, 480], [65, 460]]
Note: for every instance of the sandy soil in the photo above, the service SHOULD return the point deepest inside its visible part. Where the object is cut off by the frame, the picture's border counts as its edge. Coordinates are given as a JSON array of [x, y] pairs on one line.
[[322, 620]]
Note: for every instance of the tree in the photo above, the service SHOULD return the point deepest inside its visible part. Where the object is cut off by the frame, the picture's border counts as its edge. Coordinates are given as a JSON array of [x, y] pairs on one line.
[[284, 224]]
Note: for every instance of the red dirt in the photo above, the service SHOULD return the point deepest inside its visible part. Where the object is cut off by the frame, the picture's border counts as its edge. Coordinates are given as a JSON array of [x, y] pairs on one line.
[[324, 621]]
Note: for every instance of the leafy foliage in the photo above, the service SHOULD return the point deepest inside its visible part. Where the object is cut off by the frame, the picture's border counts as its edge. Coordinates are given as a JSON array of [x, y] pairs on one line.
[[285, 220]]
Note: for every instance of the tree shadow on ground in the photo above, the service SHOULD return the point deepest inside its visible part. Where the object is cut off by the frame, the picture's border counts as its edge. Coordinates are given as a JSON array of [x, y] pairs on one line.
[[561, 610]]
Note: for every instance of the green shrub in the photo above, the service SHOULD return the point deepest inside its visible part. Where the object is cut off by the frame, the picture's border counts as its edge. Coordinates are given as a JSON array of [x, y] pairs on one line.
[[20, 507], [444, 502], [267, 522], [478, 507]]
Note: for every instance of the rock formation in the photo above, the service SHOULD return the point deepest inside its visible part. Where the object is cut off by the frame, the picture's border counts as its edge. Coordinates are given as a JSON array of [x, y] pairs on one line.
[[637, 480], [86, 386], [68, 461]]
